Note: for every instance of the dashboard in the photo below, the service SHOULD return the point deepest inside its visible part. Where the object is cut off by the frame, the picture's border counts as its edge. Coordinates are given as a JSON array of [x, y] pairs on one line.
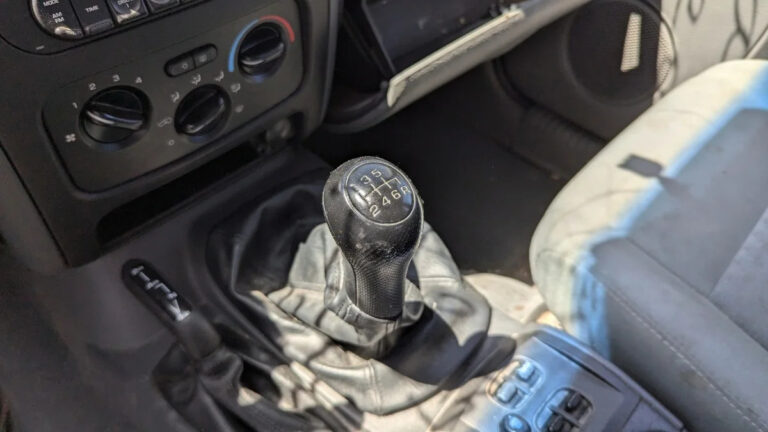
[[118, 111]]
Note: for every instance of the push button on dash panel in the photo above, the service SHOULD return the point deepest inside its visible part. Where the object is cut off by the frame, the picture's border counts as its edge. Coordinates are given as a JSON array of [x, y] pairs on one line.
[[93, 15], [57, 18], [127, 10]]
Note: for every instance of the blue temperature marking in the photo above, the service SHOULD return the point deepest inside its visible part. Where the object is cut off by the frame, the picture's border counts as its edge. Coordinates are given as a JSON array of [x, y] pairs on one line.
[[239, 38]]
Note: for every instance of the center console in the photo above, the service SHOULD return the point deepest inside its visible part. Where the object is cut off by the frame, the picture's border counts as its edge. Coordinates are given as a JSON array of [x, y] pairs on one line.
[[118, 111], [342, 276], [240, 312]]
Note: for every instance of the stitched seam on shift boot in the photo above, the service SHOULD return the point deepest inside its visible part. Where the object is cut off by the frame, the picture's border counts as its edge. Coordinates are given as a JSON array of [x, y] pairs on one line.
[[376, 390], [625, 303]]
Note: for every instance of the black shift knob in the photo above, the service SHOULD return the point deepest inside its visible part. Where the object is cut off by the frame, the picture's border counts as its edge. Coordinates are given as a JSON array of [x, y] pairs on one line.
[[375, 216]]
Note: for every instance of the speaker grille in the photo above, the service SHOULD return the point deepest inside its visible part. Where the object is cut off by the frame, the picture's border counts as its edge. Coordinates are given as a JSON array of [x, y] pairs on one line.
[[621, 51]]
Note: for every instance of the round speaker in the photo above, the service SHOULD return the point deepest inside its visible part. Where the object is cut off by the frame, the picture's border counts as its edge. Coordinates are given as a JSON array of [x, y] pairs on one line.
[[621, 51]]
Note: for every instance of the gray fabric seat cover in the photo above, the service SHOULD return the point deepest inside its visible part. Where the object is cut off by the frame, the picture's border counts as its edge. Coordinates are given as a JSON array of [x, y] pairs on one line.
[[656, 253]]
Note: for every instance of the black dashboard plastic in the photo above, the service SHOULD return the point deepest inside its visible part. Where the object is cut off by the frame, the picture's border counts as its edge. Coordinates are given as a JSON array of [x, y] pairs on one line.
[[32, 86], [95, 166], [51, 26]]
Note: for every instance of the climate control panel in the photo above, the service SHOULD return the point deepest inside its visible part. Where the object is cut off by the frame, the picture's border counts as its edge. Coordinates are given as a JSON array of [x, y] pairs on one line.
[[121, 123]]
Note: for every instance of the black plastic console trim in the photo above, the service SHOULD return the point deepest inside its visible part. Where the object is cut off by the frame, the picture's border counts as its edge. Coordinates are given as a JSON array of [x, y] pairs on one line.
[[72, 215], [21, 225]]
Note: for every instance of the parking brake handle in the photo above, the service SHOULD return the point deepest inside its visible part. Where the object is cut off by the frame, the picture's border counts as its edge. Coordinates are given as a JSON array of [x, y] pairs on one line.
[[193, 330]]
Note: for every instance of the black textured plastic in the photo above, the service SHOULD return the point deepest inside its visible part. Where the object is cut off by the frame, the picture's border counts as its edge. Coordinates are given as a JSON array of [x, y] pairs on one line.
[[375, 216], [607, 34]]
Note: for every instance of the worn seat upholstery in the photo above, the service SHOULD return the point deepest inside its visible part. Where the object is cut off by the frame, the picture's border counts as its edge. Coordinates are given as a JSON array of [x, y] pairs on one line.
[[656, 253]]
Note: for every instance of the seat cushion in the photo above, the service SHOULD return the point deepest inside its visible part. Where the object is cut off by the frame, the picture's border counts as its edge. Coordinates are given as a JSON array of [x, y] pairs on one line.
[[656, 253]]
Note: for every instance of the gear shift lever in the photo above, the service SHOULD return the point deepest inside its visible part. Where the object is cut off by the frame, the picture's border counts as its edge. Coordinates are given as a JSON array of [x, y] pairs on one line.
[[346, 290], [375, 216]]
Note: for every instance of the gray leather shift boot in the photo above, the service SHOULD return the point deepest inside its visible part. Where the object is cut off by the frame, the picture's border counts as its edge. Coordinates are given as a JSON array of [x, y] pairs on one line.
[[380, 366], [316, 295]]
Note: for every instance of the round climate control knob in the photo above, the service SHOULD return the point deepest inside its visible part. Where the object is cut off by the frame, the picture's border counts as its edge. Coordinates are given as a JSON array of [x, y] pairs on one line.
[[202, 112], [115, 115], [261, 51]]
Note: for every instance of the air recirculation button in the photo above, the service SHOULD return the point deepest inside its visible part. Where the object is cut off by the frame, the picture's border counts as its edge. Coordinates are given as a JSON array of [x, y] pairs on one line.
[[262, 51]]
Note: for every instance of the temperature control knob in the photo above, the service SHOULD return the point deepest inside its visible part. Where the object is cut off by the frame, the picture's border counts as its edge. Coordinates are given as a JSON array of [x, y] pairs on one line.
[[115, 115], [202, 111], [261, 51]]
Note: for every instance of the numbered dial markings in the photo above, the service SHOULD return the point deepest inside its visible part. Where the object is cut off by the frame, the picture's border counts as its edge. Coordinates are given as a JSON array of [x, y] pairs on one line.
[[380, 192]]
